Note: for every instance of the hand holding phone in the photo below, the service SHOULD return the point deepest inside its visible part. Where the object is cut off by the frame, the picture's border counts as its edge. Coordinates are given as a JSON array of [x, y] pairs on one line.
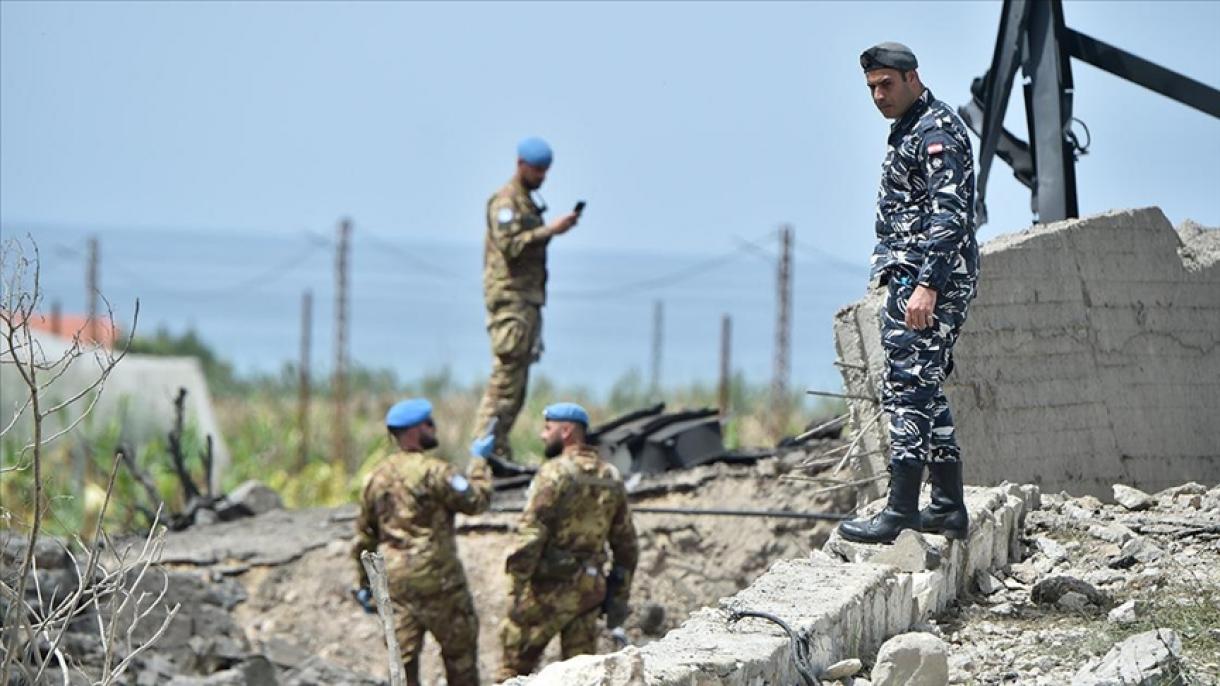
[[580, 207]]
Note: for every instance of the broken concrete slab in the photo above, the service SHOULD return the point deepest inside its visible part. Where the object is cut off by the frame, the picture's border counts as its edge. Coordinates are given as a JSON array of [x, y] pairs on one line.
[[841, 610], [1152, 658], [278, 536], [1092, 354]]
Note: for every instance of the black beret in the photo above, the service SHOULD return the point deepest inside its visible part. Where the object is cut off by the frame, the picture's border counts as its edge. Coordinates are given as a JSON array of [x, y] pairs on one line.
[[892, 55]]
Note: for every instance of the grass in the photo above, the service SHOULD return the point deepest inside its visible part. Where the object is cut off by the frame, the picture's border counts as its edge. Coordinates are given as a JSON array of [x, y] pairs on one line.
[[259, 422]]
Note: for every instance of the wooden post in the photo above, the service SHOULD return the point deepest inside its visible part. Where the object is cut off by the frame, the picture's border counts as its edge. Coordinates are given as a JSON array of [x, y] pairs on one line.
[[658, 322], [303, 378], [374, 565], [726, 332], [783, 332], [339, 384]]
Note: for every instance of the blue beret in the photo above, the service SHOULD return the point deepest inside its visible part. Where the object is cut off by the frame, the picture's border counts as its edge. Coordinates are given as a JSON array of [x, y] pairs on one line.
[[405, 414], [534, 151], [566, 412]]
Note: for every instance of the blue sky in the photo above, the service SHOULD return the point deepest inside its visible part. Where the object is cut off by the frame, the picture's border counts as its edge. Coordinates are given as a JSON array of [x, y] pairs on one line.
[[682, 125]]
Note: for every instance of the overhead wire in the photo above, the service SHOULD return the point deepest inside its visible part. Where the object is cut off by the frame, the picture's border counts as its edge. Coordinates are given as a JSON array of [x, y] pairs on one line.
[[663, 280]]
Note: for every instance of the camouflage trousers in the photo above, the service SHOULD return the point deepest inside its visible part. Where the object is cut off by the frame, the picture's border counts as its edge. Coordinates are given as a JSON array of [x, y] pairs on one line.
[[516, 343], [542, 610], [449, 615], [917, 364]]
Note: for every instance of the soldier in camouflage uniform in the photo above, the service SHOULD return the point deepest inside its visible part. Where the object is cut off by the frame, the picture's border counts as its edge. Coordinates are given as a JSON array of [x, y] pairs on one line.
[[514, 287], [577, 505], [928, 259], [406, 512]]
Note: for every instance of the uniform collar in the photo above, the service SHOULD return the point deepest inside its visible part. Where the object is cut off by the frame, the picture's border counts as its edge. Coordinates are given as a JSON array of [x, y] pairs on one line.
[[912, 115], [521, 191], [581, 450]]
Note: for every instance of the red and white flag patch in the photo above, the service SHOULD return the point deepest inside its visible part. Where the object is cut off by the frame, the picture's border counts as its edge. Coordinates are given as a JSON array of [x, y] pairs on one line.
[[935, 148]]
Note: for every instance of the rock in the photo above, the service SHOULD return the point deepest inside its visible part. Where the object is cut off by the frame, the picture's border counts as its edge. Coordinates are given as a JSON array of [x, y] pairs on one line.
[[1188, 502], [986, 583], [1127, 613], [258, 671], [913, 659], [910, 552], [1049, 591], [842, 670], [1051, 549], [1072, 602], [624, 668], [284, 654], [1189, 488], [1090, 502], [1142, 549], [1003, 610], [1132, 498], [1148, 659], [250, 498], [652, 619], [1023, 572], [1112, 533]]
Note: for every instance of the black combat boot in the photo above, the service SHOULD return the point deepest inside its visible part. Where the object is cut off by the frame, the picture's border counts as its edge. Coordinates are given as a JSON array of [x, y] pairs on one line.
[[947, 513], [901, 511]]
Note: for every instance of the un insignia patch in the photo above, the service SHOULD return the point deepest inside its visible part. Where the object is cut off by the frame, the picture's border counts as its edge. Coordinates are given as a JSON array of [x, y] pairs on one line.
[[459, 483], [505, 215]]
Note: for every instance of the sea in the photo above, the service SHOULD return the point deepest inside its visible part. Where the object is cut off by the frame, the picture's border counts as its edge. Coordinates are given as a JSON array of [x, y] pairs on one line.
[[416, 307]]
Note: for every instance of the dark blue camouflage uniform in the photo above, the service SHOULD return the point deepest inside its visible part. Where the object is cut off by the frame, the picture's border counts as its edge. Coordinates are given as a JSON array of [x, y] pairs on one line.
[[925, 236]]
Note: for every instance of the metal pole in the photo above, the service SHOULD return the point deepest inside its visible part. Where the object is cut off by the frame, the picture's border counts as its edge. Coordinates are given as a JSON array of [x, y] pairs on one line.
[[303, 400], [726, 332], [341, 453]]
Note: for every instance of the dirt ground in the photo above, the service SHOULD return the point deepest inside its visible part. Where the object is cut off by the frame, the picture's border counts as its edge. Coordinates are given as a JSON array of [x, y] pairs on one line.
[[686, 562]]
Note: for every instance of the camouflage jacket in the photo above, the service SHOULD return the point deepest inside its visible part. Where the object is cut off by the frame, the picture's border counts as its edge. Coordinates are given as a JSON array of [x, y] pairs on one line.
[[925, 207], [407, 511], [577, 505], [514, 250]]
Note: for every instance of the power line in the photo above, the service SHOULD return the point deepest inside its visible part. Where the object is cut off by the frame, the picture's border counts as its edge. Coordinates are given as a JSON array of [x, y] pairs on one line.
[[673, 277]]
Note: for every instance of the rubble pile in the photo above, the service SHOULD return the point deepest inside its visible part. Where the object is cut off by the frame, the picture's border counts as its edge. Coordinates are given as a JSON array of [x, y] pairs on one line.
[[265, 599], [1107, 592]]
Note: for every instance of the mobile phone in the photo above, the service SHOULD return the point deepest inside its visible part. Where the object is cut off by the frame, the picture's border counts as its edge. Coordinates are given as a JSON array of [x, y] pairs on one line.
[[580, 207]]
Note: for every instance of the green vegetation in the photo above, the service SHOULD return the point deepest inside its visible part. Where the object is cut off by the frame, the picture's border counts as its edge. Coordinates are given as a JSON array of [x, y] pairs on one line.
[[259, 419]]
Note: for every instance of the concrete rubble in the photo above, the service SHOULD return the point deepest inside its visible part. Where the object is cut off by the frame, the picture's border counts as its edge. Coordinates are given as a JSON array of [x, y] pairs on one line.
[[912, 659], [844, 609], [1091, 356], [1023, 600]]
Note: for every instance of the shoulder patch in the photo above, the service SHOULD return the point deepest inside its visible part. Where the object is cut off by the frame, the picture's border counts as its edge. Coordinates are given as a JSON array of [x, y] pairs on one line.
[[936, 148], [459, 483], [504, 215]]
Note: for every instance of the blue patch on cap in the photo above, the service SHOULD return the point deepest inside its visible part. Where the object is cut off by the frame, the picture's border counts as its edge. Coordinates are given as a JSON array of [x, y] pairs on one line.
[[405, 414], [566, 412], [535, 152]]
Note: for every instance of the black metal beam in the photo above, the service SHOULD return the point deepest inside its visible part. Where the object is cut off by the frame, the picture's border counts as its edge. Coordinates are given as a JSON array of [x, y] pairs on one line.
[[996, 91], [1048, 107], [1139, 70]]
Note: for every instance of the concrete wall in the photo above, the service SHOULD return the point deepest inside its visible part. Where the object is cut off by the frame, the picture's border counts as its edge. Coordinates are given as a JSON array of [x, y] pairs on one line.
[[843, 602], [1091, 356], [139, 394]]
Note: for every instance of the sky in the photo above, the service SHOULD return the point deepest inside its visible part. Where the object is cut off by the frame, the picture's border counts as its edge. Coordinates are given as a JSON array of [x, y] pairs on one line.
[[687, 127], [682, 125]]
